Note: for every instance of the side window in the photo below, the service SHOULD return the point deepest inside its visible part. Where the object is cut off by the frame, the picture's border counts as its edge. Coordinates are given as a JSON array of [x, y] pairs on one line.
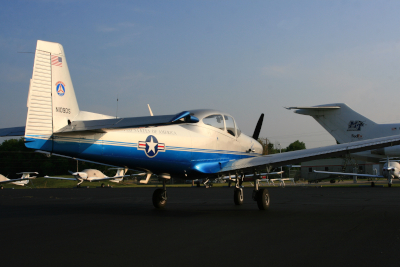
[[215, 121], [230, 125]]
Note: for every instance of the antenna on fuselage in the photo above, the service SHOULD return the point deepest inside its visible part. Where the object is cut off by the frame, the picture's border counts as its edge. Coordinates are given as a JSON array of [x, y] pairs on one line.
[[151, 112], [116, 114]]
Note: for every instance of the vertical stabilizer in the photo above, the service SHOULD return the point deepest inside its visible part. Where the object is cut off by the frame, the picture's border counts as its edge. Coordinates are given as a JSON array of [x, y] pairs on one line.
[[51, 99], [342, 122]]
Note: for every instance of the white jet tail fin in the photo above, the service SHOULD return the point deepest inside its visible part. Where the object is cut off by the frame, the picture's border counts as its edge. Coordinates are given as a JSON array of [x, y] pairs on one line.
[[343, 123]]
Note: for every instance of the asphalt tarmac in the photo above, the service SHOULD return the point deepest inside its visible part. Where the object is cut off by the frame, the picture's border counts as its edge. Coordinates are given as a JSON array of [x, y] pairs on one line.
[[305, 226]]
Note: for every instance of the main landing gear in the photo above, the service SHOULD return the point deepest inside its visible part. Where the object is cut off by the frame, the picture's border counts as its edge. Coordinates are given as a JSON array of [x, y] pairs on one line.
[[160, 196], [261, 196], [238, 192]]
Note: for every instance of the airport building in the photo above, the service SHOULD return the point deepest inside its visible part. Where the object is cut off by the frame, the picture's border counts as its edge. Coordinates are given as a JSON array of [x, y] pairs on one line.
[[337, 165]]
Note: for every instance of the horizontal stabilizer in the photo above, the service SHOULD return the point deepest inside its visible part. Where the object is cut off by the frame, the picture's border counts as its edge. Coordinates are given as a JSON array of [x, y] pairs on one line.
[[60, 178], [315, 107], [134, 122], [14, 131]]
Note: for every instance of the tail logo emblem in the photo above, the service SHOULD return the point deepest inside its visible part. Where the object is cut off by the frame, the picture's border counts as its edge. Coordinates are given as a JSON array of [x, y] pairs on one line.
[[151, 146], [60, 88], [355, 125]]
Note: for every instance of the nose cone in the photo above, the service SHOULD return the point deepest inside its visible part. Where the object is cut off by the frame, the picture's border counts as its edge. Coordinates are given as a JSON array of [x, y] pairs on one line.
[[82, 175]]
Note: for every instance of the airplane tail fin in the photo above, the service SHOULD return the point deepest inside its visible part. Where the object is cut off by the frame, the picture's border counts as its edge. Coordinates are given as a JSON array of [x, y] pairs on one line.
[[51, 100], [342, 122], [3, 178], [121, 171]]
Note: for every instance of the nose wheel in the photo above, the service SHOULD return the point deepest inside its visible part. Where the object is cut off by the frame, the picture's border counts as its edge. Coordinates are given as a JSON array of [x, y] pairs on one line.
[[160, 197]]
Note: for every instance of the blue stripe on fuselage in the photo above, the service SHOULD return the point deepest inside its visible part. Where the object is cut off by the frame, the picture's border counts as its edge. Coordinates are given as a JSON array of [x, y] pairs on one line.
[[174, 160]]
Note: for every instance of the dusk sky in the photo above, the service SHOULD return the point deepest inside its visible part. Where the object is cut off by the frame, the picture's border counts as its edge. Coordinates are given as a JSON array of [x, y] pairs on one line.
[[241, 57]]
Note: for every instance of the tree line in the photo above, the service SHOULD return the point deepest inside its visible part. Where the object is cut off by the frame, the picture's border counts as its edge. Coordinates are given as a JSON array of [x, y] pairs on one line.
[[16, 157], [270, 148]]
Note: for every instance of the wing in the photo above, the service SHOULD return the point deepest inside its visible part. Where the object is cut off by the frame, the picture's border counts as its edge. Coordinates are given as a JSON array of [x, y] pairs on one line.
[[135, 122], [351, 174], [60, 178], [121, 176], [250, 164], [99, 125], [14, 131], [93, 179], [16, 180]]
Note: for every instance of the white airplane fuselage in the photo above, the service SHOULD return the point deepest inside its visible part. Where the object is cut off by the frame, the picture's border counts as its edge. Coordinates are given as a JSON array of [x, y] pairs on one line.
[[184, 150]]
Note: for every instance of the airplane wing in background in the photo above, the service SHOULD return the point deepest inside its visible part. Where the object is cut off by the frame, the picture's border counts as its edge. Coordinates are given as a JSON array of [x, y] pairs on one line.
[[60, 178], [249, 164], [16, 180], [350, 174], [13, 131]]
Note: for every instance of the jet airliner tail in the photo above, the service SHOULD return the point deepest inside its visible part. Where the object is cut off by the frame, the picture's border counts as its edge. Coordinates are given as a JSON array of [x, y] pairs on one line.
[[342, 122]]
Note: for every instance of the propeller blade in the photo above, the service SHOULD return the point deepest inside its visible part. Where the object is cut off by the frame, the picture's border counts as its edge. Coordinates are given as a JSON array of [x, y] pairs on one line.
[[258, 127]]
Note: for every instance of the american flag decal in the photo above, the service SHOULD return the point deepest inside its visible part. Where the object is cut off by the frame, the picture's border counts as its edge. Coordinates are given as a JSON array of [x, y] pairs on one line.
[[56, 61]]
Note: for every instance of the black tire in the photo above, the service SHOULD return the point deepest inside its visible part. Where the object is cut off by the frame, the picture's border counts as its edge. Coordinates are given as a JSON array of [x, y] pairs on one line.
[[238, 196], [102, 185], [372, 184], [158, 200], [263, 199]]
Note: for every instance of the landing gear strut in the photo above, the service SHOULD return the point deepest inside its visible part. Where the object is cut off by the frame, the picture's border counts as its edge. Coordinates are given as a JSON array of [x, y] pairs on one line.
[[160, 196], [238, 193]]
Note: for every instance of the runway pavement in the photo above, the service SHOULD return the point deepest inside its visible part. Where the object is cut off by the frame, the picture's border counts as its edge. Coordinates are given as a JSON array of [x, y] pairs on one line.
[[305, 226]]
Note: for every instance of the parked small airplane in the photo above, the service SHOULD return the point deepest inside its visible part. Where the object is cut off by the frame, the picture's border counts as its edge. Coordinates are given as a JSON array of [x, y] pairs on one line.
[[191, 144], [390, 170], [93, 175], [346, 125], [24, 180]]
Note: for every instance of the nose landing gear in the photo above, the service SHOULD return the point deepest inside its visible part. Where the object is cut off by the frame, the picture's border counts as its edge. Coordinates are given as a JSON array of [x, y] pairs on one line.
[[238, 193], [160, 196]]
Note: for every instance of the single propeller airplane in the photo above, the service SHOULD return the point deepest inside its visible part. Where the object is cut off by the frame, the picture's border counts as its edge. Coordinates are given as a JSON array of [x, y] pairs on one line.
[[93, 175], [24, 180], [191, 144]]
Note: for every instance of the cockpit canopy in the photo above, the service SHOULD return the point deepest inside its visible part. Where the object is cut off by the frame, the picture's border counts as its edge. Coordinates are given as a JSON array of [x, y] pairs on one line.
[[219, 120]]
